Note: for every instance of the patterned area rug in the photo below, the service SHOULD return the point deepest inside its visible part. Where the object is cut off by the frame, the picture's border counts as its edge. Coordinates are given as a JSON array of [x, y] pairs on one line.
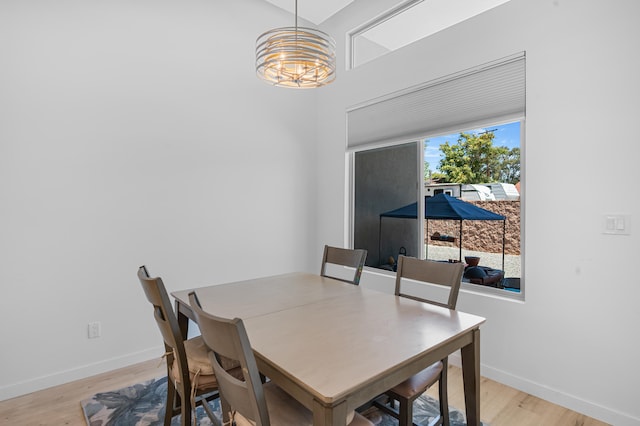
[[143, 405]]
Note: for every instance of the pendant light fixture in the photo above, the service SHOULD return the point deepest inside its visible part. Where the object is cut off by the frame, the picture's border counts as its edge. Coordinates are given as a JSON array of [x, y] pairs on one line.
[[296, 57]]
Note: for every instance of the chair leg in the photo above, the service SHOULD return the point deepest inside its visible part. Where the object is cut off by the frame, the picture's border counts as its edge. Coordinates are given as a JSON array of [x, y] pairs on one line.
[[392, 403], [443, 394], [405, 417], [168, 411], [226, 410], [386, 406], [185, 411], [209, 411]]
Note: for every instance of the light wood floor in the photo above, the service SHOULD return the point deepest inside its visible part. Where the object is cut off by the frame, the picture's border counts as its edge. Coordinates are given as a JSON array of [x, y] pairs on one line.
[[60, 405]]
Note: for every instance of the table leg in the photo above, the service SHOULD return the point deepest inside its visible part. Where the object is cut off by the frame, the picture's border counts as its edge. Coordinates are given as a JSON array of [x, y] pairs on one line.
[[471, 376], [183, 320], [326, 416]]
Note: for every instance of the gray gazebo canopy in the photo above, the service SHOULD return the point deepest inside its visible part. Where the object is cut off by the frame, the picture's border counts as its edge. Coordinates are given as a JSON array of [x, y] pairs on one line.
[[445, 207]]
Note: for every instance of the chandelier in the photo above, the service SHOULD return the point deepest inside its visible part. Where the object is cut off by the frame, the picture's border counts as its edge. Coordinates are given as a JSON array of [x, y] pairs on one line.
[[296, 57]]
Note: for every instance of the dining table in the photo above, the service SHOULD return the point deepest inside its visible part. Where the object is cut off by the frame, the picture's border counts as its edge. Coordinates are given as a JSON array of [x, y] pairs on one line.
[[335, 346]]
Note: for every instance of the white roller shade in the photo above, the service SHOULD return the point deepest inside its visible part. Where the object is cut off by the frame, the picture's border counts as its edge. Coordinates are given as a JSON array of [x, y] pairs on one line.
[[491, 91]]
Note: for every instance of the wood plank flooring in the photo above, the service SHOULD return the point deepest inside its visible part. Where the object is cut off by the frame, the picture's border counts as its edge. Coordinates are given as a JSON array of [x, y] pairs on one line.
[[501, 405], [60, 405]]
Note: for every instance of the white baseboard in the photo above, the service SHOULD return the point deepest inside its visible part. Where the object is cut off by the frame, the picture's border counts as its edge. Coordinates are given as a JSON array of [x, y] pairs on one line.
[[571, 402], [62, 377]]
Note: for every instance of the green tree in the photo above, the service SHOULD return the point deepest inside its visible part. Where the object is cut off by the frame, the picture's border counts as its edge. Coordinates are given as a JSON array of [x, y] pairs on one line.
[[427, 166], [510, 170], [474, 159]]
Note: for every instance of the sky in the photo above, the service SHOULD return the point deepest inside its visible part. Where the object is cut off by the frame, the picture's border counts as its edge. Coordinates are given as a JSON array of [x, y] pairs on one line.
[[505, 135]]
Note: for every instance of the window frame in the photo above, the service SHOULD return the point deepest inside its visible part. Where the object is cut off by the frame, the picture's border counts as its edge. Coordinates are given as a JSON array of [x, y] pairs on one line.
[[376, 21], [466, 287]]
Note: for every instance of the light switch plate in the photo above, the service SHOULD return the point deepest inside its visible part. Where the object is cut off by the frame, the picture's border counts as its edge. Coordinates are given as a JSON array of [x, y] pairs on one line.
[[617, 224]]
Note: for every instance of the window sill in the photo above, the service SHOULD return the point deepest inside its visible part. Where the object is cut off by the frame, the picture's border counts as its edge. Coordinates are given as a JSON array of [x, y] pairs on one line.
[[383, 280], [496, 293]]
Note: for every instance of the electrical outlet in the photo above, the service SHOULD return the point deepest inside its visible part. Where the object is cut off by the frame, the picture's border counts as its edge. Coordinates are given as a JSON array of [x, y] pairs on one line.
[[94, 330]]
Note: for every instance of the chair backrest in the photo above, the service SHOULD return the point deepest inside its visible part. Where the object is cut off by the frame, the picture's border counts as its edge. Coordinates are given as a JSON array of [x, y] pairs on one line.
[[156, 294], [353, 258], [440, 273], [227, 338]]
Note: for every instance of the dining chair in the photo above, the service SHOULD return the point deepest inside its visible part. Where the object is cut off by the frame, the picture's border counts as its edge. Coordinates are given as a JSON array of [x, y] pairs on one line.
[[188, 366], [447, 276], [250, 401], [353, 258]]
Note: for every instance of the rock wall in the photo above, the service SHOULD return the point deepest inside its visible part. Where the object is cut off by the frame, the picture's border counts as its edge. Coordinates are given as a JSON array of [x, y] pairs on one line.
[[482, 235]]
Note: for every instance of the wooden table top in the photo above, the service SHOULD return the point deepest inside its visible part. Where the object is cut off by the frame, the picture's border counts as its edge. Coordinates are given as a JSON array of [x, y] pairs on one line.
[[328, 341], [338, 345], [250, 298]]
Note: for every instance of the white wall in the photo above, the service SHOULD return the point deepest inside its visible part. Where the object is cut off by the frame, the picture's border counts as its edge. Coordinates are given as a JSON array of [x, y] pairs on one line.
[[128, 129], [573, 341], [136, 132]]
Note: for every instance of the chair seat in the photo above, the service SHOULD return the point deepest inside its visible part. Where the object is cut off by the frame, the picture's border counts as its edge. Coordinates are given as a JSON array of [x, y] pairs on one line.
[[417, 384], [199, 365], [285, 411]]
